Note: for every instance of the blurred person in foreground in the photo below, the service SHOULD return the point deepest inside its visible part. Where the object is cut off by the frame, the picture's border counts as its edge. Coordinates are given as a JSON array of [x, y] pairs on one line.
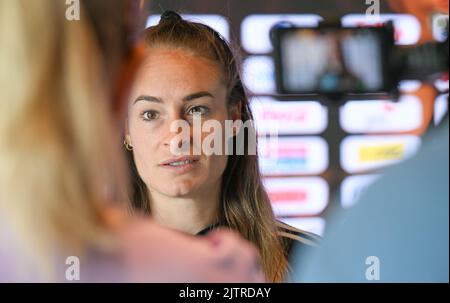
[[399, 230], [62, 181]]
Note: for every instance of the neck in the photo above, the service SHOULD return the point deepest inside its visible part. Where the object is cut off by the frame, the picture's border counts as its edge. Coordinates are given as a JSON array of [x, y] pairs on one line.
[[187, 214]]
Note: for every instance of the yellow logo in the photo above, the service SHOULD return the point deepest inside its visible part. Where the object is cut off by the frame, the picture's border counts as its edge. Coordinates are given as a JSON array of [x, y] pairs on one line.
[[382, 152]]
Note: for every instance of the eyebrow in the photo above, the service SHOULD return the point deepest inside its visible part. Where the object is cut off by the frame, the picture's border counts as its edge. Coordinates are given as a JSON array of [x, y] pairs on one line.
[[188, 98]]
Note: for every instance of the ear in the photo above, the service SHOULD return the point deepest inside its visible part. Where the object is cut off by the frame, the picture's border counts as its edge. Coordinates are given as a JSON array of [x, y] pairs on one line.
[[127, 132], [128, 139]]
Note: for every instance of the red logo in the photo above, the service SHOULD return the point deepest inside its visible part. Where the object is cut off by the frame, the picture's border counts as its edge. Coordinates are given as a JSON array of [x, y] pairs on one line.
[[288, 196]]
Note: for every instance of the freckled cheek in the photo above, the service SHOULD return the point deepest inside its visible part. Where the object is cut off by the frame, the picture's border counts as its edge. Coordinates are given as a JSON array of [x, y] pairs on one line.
[[216, 166], [144, 143]]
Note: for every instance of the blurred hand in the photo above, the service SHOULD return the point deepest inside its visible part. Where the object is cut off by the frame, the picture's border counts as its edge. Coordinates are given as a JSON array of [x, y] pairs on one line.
[[234, 258], [152, 253]]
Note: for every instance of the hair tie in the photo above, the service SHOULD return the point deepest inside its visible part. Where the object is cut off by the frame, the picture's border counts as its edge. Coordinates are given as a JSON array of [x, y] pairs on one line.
[[170, 16]]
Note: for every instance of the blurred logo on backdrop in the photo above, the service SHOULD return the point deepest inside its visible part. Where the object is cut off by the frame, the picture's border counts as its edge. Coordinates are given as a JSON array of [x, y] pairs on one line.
[[291, 118], [375, 116], [258, 42], [386, 152], [366, 153], [258, 74], [300, 196], [293, 156]]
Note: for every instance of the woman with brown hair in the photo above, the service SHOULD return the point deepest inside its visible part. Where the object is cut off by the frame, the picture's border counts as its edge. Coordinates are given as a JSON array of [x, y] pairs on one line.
[[63, 185], [191, 73]]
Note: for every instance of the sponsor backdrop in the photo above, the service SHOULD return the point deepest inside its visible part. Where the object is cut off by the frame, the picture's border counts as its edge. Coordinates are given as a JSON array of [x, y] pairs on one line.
[[327, 153]]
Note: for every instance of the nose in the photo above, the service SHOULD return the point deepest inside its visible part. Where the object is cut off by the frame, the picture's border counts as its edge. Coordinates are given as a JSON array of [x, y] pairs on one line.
[[178, 135], [177, 141]]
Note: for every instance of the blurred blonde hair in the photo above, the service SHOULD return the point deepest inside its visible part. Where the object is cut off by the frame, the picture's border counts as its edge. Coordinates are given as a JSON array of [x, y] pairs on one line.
[[59, 166]]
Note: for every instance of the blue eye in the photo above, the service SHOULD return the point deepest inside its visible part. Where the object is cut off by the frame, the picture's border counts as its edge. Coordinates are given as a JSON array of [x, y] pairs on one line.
[[150, 115], [198, 110]]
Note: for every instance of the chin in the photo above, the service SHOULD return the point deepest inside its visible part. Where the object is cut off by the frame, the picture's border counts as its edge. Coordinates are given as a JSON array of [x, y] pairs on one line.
[[178, 193], [180, 189]]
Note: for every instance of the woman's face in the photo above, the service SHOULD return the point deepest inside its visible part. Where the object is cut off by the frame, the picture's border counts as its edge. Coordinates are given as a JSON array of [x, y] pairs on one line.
[[174, 85]]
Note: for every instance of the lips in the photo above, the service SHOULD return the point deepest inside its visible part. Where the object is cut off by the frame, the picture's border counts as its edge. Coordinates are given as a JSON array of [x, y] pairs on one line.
[[180, 165], [180, 161]]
